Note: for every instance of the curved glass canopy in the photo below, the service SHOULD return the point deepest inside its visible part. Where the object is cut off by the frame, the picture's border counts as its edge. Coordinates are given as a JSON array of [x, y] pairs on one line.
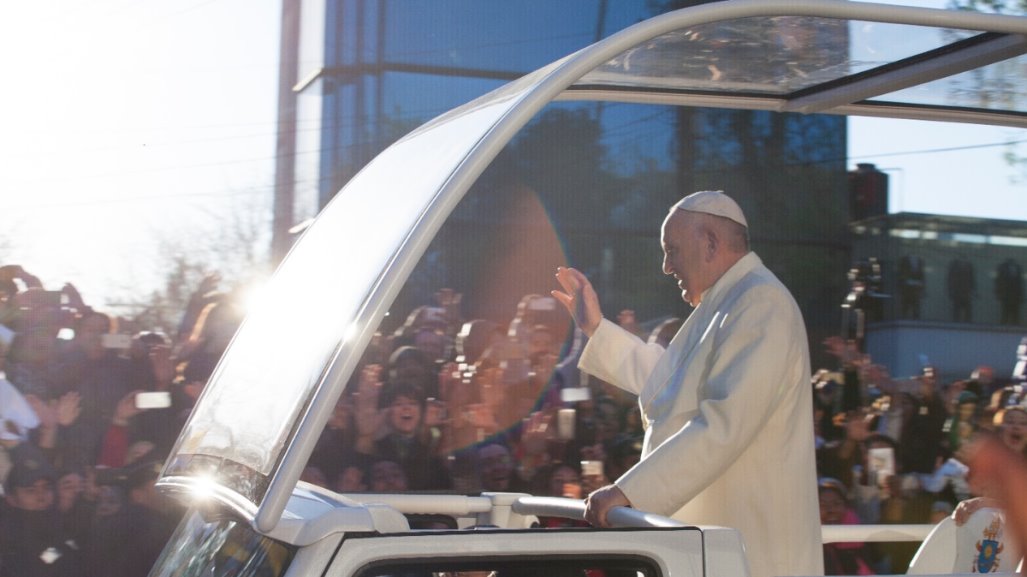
[[829, 57]]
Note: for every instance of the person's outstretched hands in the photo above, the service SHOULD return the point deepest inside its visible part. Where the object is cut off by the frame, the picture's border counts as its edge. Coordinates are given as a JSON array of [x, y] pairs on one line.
[[965, 509], [579, 298], [74, 297], [209, 283]]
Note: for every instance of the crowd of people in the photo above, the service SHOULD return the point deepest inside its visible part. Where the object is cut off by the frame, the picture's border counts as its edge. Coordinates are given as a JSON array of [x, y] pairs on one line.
[[80, 450], [442, 403], [898, 450], [449, 404]]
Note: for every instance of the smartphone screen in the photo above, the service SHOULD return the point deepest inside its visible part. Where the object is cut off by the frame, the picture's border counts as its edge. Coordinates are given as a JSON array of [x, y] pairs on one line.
[[882, 461], [574, 395], [116, 341], [566, 423], [153, 400], [591, 468], [542, 304]]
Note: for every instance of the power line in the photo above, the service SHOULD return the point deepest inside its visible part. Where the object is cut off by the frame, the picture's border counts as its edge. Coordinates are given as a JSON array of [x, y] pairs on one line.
[[937, 150]]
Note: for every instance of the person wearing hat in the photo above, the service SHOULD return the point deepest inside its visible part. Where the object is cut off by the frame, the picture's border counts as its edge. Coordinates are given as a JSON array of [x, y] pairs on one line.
[[841, 558], [727, 405], [33, 539]]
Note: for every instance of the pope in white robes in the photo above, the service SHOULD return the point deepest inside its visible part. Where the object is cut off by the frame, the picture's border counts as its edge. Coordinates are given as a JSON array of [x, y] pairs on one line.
[[727, 407]]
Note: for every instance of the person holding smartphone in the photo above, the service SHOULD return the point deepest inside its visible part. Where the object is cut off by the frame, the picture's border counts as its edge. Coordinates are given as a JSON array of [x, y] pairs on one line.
[[727, 405]]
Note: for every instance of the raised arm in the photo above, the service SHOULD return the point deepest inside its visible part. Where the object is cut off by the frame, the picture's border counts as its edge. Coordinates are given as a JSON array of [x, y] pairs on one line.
[[579, 298]]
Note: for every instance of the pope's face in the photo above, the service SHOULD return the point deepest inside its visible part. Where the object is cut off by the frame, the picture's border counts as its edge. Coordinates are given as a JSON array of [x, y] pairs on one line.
[[682, 254]]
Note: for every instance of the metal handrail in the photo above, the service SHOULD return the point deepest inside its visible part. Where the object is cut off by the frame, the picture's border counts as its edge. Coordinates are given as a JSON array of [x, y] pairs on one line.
[[575, 509], [874, 533], [565, 508]]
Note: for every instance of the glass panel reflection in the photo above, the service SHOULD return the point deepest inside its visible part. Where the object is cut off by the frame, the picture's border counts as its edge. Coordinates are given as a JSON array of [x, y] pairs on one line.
[[767, 55], [486, 36], [759, 55], [1000, 86]]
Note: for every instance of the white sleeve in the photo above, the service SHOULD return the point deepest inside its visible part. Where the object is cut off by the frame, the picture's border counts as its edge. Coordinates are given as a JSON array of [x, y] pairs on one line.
[[619, 357]]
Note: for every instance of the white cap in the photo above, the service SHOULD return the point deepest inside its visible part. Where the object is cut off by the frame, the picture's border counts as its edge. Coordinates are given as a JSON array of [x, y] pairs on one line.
[[713, 202]]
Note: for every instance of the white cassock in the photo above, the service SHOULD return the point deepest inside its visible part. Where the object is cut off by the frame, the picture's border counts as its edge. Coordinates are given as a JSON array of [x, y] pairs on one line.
[[728, 412]]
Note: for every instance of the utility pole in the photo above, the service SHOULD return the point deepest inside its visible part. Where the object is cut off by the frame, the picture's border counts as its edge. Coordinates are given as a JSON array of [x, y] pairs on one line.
[[285, 141]]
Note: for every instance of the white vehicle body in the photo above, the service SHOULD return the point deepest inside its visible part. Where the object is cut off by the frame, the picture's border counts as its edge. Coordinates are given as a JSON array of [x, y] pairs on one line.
[[256, 423]]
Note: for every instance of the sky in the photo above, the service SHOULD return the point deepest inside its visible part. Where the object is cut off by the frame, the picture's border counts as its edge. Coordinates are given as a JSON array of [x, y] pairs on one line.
[[944, 168], [128, 125]]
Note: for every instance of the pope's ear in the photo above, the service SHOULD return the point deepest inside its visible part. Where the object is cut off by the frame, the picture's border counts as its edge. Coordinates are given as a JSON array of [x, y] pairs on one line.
[[711, 243]]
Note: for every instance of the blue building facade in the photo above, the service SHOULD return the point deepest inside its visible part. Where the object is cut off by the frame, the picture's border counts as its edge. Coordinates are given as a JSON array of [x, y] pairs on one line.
[[585, 183]]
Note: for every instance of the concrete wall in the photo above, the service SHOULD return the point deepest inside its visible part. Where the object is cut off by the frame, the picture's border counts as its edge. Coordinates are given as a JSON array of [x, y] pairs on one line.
[[954, 349]]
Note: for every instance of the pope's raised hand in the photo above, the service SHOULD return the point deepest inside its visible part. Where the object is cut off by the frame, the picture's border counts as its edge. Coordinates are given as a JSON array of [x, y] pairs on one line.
[[579, 298]]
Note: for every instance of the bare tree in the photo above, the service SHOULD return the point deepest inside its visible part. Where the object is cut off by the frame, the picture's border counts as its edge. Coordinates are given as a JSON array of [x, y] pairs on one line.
[[235, 249]]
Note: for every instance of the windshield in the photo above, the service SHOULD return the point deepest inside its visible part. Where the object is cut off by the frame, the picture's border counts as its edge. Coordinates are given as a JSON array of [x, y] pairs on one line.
[[221, 547], [313, 306]]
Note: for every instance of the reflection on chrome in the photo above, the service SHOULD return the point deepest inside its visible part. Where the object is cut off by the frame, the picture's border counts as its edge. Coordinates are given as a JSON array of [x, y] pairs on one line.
[[204, 488], [214, 477], [350, 332]]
